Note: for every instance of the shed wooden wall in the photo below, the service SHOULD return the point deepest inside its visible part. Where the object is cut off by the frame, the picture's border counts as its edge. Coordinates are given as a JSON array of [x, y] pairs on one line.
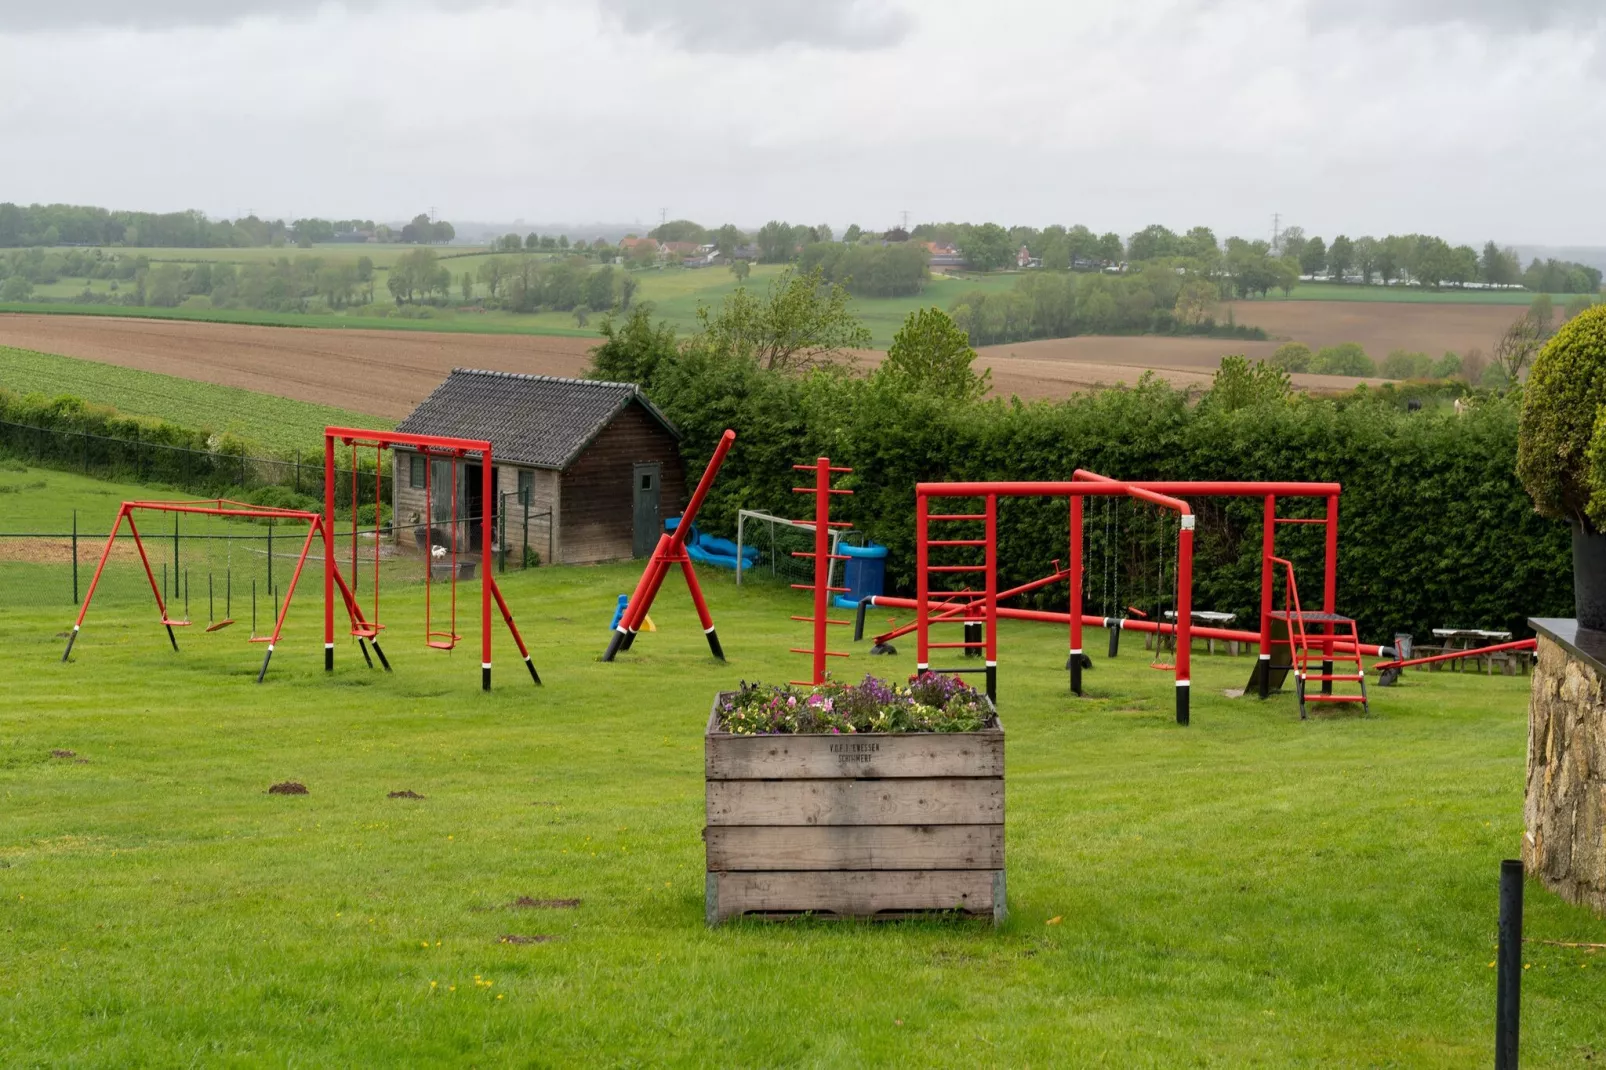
[[598, 494], [409, 500]]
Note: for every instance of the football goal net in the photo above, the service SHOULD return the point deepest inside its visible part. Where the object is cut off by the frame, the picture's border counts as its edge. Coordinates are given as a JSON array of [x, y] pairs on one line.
[[765, 543]]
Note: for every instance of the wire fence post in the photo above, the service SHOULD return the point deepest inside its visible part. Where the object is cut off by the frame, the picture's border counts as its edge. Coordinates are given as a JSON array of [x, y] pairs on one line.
[[298, 474], [75, 557], [86, 452], [175, 551], [270, 555]]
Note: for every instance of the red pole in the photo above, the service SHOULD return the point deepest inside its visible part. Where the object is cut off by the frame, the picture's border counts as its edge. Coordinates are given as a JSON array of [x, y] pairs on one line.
[[1268, 550], [822, 561], [161, 607], [1076, 594], [1330, 589], [992, 596], [507, 617], [1184, 613], [922, 593], [683, 529], [487, 489], [104, 554], [329, 552]]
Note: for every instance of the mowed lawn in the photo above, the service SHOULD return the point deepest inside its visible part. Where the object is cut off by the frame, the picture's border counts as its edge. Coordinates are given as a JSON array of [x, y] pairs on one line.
[[1250, 891]]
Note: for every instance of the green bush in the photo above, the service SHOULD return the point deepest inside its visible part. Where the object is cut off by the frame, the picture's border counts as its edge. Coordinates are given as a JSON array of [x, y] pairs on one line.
[[1292, 357], [1402, 365], [1345, 359], [1561, 457]]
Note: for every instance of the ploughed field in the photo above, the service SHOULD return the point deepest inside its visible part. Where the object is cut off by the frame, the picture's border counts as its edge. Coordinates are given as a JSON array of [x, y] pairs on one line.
[[387, 373]]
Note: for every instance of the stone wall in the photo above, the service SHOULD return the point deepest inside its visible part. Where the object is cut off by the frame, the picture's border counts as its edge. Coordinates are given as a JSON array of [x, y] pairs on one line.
[[1565, 800]]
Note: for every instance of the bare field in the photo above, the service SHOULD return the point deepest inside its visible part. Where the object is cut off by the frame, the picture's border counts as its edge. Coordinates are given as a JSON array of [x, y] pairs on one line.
[[387, 373]]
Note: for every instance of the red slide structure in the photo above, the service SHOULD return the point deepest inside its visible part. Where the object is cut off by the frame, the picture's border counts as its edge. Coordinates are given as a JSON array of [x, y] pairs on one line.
[[670, 551]]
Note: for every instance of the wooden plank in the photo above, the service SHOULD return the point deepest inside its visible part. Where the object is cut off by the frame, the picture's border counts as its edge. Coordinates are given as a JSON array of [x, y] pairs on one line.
[[913, 754], [911, 801], [859, 894], [816, 847]]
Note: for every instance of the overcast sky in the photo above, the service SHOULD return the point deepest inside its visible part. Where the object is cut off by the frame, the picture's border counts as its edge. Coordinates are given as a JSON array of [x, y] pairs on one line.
[[1467, 118]]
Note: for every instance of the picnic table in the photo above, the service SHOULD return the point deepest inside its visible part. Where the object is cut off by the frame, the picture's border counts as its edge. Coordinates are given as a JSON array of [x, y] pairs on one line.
[[1209, 617], [1453, 639]]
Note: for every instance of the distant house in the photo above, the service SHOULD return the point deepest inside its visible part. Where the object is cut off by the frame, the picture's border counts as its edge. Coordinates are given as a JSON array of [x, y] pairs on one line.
[[677, 248], [944, 254], [635, 246], [745, 252], [594, 465], [1024, 259]]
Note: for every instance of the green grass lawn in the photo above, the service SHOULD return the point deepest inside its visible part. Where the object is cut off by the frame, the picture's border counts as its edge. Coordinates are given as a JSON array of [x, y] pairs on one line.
[[274, 422], [1250, 891]]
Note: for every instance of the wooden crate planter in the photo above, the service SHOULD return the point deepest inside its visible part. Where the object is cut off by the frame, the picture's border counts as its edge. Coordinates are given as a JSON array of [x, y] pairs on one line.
[[854, 825]]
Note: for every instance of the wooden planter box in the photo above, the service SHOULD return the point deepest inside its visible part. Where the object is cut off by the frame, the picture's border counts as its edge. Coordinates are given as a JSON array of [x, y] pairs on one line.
[[854, 825]]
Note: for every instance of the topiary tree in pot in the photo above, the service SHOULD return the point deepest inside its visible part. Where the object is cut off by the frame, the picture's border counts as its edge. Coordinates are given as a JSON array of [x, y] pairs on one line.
[[1561, 450]]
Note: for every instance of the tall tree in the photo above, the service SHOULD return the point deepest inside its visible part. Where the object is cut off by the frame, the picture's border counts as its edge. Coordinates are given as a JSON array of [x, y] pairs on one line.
[[930, 354], [1313, 258], [1340, 258]]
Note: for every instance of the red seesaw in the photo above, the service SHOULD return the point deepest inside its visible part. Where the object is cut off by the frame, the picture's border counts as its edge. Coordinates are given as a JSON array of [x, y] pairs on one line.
[[671, 550]]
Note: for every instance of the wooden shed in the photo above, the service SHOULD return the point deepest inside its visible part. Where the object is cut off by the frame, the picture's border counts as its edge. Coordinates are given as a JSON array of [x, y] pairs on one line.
[[594, 466]]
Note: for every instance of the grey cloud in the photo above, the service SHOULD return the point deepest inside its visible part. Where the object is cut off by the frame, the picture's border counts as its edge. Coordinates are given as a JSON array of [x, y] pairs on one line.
[[695, 25], [738, 25], [1521, 16]]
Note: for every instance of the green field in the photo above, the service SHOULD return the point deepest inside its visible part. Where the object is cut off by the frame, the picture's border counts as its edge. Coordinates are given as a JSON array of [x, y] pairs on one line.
[[1331, 291], [1250, 891], [274, 422]]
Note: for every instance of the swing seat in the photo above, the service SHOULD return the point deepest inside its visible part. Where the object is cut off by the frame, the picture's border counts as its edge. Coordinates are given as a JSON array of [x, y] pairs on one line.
[[442, 640], [1162, 666], [260, 639], [366, 631], [175, 623], [219, 626]]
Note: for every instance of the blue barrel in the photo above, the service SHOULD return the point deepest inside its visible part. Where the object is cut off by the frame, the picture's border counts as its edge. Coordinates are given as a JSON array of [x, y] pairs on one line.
[[864, 574]]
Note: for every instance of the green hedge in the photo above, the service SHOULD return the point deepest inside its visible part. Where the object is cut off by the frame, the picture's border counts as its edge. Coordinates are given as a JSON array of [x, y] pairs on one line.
[[1435, 528]]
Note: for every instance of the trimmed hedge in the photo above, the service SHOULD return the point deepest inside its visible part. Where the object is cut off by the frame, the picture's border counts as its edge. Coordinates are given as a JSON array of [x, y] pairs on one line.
[[1435, 529]]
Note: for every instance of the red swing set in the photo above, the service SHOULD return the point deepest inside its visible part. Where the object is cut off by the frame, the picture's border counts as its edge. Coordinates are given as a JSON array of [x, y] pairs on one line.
[[365, 629], [432, 447]]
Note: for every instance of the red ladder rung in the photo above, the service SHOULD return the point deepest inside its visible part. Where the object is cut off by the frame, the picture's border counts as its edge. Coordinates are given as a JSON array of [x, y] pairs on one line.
[[810, 553], [810, 650], [957, 516], [828, 620], [956, 568], [810, 587], [816, 490], [956, 542], [1335, 698], [956, 646]]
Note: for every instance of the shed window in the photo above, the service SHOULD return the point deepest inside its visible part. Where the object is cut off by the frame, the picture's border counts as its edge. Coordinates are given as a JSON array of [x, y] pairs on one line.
[[526, 486], [415, 472]]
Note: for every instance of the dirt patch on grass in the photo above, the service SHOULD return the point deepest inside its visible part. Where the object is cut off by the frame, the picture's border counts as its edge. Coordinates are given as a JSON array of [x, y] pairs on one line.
[[289, 787], [404, 794], [514, 938], [63, 754], [525, 902]]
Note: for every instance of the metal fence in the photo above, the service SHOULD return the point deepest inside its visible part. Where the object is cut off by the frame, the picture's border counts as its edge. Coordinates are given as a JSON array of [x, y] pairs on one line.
[[137, 460]]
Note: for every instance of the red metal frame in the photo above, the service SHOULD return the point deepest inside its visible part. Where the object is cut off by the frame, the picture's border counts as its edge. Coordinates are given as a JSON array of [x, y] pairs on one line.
[[964, 604], [208, 507], [670, 551], [430, 446], [822, 555]]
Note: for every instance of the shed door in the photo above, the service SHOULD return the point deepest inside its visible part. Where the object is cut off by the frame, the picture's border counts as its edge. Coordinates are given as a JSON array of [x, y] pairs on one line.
[[647, 526]]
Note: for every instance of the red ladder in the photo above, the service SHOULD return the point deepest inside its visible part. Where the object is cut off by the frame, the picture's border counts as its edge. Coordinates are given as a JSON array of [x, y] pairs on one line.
[[1337, 631], [937, 604]]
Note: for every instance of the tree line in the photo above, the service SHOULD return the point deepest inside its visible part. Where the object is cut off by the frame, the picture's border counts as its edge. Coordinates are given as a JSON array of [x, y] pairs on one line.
[[85, 225]]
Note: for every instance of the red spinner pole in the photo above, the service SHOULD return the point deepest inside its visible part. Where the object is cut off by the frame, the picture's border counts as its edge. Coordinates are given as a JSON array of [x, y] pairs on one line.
[[821, 587], [671, 550]]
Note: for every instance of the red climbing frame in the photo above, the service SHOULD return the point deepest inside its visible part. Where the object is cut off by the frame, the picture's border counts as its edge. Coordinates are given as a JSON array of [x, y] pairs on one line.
[[822, 555], [431, 446], [670, 551], [212, 507]]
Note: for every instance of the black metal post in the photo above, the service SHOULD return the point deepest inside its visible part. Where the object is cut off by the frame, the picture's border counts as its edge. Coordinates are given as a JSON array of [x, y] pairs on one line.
[[139, 459], [175, 553], [298, 471], [86, 453], [270, 555], [75, 557], [525, 559], [1508, 962]]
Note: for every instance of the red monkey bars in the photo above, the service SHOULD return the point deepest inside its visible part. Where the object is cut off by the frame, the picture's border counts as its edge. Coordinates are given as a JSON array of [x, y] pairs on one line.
[[671, 550], [431, 447]]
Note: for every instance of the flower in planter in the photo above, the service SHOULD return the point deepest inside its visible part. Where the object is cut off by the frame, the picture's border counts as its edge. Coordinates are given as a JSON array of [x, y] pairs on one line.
[[927, 703]]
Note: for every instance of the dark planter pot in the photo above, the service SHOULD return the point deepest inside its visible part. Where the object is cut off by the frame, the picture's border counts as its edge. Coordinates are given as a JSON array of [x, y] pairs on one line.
[[1589, 578]]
